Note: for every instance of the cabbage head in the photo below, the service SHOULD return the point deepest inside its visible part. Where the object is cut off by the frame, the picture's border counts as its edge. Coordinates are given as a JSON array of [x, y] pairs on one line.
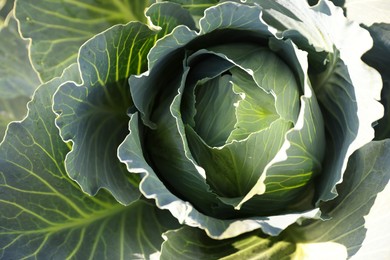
[[195, 130]]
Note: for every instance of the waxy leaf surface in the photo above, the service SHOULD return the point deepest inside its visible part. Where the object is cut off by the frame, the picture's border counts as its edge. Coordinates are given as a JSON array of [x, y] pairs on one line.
[[58, 28], [45, 215]]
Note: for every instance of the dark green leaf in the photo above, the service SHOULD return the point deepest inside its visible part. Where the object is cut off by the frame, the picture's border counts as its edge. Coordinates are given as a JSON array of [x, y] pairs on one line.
[[58, 28], [45, 215], [196, 7], [94, 115], [378, 57], [168, 16], [17, 77], [18, 80], [5, 9]]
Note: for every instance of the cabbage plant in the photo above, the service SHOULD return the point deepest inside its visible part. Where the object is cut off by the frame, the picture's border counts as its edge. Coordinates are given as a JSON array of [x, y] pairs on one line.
[[207, 129]]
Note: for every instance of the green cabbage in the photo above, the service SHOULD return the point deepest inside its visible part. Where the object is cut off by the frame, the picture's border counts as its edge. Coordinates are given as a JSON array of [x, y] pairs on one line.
[[196, 130]]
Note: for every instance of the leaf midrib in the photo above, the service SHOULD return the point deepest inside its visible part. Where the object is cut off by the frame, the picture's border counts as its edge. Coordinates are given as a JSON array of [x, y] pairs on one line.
[[76, 223]]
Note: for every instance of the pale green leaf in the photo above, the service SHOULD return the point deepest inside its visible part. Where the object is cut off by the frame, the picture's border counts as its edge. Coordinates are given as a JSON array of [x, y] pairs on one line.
[[271, 77], [58, 28], [257, 108], [254, 245], [206, 70], [233, 170], [215, 113], [292, 168], [191, 243]]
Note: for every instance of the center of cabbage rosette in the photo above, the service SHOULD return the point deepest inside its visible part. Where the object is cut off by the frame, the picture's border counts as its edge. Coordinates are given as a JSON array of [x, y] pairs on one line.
[[237, 121], [229, 142], [238, 117]]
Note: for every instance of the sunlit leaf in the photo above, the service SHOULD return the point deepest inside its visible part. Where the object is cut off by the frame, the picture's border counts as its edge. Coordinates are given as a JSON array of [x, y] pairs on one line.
[[368, 11], [192, 243], [376, 222]]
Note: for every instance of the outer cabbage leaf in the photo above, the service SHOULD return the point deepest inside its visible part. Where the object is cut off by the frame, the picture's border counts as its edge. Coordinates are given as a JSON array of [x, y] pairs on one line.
[[337, 238], [17, 77], [58, 28], [377, 57], [254, 245], [13, 109], [44, 213], [376, 222], [191, 243], [18, 80], [196, 7], [93, 115]]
